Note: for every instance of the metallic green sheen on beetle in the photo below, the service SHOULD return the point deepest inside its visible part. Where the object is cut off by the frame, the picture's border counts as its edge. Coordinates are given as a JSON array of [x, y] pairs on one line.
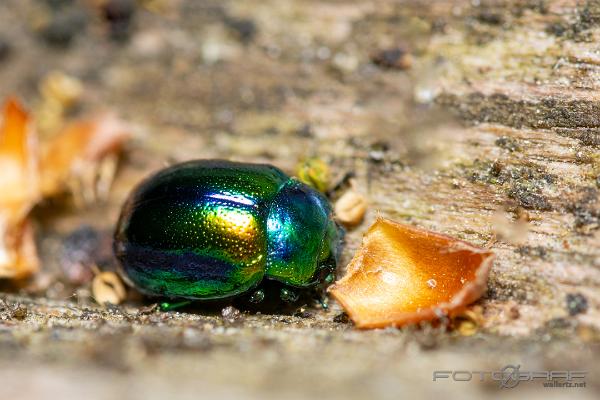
[[214, 229]]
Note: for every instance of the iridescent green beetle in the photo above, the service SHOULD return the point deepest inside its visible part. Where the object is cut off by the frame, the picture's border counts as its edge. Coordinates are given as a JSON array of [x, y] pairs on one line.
[[213, 229]]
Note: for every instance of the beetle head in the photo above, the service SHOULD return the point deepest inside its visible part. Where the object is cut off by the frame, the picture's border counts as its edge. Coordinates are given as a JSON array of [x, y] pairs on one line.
[[303, 240]]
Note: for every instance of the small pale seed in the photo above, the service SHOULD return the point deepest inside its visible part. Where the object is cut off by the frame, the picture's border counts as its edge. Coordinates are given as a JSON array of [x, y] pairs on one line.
[[108, 288], [350, 209]]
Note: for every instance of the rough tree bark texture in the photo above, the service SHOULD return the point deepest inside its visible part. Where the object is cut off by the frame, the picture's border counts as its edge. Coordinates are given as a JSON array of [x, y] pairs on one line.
[[491, 136]]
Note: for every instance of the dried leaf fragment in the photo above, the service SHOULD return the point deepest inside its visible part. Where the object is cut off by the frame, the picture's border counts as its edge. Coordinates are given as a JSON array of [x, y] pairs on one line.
[[18, 253], [84, 153], [108, 288], [83, 156], [18, 162], [390, 281], [20, 192], [314, 172]]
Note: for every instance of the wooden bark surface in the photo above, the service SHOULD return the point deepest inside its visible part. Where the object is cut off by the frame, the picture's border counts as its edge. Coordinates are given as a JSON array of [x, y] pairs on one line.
[[492, 136]]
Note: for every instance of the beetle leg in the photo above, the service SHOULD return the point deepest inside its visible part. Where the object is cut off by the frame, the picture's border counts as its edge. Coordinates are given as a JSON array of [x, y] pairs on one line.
[[287, 295], [167, 306], [257, 297], [323, 300]]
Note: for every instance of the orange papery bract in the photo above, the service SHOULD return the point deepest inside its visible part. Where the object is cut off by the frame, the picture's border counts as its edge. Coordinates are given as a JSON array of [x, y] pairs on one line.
[[403, 275], [19, 181]]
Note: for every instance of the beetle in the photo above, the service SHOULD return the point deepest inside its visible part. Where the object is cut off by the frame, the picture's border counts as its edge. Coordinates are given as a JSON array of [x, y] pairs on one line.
[[216, 229]]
